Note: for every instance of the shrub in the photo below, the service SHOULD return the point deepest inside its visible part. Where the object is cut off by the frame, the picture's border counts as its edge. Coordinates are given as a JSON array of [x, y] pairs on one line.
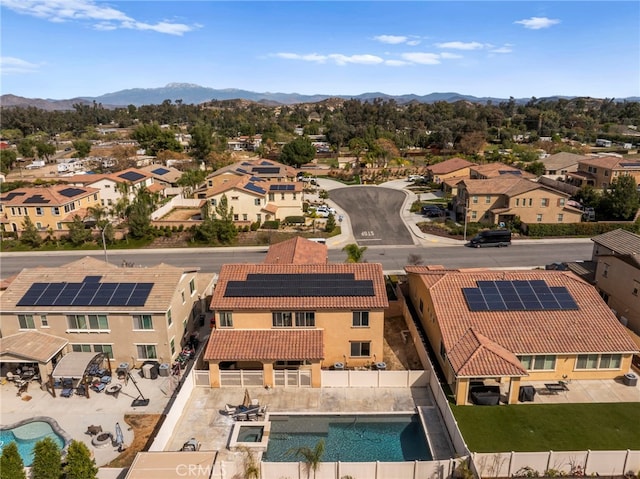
[[294, 219], [255, 226], [271, 225]]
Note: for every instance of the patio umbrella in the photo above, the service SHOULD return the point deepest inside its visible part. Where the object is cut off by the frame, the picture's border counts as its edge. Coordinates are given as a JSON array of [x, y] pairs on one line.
[[247, 399]]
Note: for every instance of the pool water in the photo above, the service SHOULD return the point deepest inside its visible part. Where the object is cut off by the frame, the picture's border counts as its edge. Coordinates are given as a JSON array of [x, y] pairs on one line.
[[250, 433], [26, 437], [361, 438]]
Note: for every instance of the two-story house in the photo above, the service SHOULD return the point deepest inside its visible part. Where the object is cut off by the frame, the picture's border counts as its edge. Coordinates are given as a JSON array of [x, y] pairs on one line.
[[256, 168], [559, 165], [131, 314], [616, 255], [289, 320], [453, 167], [600, 172], [502, 199], [485, 171], [517, 327], [52, 207]]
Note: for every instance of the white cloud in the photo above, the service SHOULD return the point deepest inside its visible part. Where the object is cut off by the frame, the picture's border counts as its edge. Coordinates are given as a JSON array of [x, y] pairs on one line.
[[450, 56], [337, 58], [16, 65], [391, 39], [461, 45], [413, 43], [106, 18], [422, 58], [503, 49], [537, 23], [396, 63]]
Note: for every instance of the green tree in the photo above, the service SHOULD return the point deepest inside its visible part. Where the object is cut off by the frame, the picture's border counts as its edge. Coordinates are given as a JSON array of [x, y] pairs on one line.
[[588, 196], [79, 462], [26, 148], [201, 140], [535, 168], [330, 225], [139, 213], [45, 150], [190, 180], [82, 147], [621, 201], [227, 230], [298, 152], [354, 253], [7, 160], [79, 234], [11, 465], [312, 457], [46, 460], [154, 139], [30, 235]]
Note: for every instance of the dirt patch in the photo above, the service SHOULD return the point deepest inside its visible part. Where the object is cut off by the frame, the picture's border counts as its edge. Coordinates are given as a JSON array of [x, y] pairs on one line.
[[399, 354], [181, 214], [143, 426]]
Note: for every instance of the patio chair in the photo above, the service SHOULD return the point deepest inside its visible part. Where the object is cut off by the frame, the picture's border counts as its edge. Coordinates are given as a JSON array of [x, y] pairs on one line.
[[230, 410], [67, 393], [11, 376]]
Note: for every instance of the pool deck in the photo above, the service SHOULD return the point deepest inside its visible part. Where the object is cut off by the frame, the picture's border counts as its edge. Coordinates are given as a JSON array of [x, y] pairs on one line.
[[204, 417]]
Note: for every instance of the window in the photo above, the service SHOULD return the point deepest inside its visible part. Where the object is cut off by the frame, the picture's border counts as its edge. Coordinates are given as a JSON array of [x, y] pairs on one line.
[[538, 363], [487, 199], [87, 322], [106, 349], [282, 196], [474, 200], [146, 351], [81, 348], [44, 321], [305, 319], [172, 345], [70, 207], [562, 201], [192, 286], [474, 215], [272, 197], [560, 217], [182, 295], [544, 202], [517, 201], [294, 196], [226, 319], [360, 349], [443, 351], [235, 198], [59, 226], [599, 361], [236, 217], [38, 225], [360, 319], [539, 218], [259, 218], [282, 319], [636, 288], [26, 321], [605, 270], [39, 211], [530, 201], [256, 202], [245, 217], [142, 321], [169, 318], [213, 201]]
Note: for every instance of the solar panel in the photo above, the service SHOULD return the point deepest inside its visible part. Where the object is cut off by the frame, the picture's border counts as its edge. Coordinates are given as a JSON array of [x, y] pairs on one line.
[[266, 163], [86, 294], [160, 171], [35, 199], [131, 176], [51, 294], [103, 295], [12, 195], [32, 294], [71, 192], [534, 295], [255, 188], [140, 294], [266, 170], [92, 279], [257, 178], [299, 285]]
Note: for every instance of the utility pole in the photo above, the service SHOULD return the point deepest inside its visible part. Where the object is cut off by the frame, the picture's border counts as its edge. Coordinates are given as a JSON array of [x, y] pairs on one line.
[[466, 214]]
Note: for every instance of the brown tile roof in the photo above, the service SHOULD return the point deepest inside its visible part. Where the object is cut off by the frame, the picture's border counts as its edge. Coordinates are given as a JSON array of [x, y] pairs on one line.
[[49, 196], [501, 185], [361, 271], [476, 355], [165, 279], [449, 166], [297, 250], [270, 208], [155, 188], [611, 162], [498, 169], [265, 344], [619, 241], [591, 329], [562, 160], [31, 345], [248, 166]]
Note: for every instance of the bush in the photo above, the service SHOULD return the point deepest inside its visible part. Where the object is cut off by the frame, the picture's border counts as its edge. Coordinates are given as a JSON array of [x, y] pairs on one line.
[[292, 220], [590, 229], [255, 226], [271, 225]]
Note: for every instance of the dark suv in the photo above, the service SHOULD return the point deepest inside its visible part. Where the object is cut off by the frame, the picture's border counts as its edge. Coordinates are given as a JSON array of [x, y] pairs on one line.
[[431, 211]]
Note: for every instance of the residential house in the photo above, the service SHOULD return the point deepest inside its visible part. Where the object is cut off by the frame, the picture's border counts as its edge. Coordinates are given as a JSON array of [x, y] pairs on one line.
[[285, 322], [245, 143], [559, 165], [167, 176], [497, 169], [502, 199], [617, 274], [601, 171], [52, 207], [454, 167], [128, 313], [256, 168], [256, 200], [517, 327]]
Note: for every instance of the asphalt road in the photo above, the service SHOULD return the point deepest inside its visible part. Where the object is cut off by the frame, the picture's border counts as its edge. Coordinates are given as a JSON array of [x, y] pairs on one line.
[[393, 258], [374, 214]]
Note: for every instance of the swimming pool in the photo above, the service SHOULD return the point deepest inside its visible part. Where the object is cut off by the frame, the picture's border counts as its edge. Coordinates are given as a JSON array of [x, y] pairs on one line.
[[349, 438], [26, 433]]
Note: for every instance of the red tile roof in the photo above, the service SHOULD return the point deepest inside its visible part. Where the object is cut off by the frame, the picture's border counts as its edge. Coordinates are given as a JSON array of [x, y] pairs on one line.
[[47, 196], [265, 344], [449, 166], [361, 271], [297, 250]]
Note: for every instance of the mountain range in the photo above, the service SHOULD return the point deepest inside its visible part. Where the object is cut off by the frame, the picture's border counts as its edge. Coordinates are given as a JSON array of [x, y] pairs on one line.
[[189, 93]]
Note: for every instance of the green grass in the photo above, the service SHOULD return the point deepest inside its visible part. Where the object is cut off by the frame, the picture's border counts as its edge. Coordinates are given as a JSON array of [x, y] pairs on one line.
[[557, 427]]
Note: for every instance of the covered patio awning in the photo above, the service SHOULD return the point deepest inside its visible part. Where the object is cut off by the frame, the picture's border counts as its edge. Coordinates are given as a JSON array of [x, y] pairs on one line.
[[75, 364], [30, 346]]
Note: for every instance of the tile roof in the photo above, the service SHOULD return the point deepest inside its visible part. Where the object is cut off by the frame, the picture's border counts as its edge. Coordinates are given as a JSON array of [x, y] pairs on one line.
[[54, 195], [494, 169], [297, 250], [361, 271], [248, 166], [265, 344], [501, 185], [611, 162], [619, 241], [165, 279], [591, 329], [562, 160], [449, 166], [476, 355], [31, 345]]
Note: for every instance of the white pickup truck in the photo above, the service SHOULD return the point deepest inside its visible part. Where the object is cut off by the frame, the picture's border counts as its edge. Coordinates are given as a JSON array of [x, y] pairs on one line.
[[323, 211]]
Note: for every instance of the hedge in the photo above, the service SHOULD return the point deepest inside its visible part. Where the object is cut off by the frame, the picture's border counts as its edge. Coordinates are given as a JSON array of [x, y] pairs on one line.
[[294, 220], [577, 229], [271, 225]]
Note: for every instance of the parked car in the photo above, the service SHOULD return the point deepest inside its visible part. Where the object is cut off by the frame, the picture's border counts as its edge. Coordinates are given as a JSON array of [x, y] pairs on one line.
[[323, 211], [557, 266], [432, 211], [415, 178], [497, 238]]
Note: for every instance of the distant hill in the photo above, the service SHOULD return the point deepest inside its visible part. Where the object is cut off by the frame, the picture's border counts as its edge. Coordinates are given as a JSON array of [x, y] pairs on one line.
[[189, 93]]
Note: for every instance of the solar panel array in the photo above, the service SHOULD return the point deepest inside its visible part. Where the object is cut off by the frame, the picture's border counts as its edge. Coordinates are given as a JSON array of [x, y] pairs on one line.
[[266, 170], [160, 171], [521, 295], [35, 199], [91, 292], [282, 187], [257, 178], [255, 188], [299, 285], [131, 176], [12, 195], [510, 172], [71, 192]]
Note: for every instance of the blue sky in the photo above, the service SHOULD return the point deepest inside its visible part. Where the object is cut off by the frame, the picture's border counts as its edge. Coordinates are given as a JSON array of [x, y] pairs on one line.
[[62, 49]]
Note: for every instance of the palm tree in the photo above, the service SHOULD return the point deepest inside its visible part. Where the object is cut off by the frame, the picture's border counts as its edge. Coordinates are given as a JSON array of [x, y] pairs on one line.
[[312, 457], [354, 253]]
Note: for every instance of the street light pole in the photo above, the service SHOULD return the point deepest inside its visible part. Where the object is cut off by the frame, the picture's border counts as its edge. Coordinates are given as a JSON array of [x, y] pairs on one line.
[[466, 215], [104, 245]]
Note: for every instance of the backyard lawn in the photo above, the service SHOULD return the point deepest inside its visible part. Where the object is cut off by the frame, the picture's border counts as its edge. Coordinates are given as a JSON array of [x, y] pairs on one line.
[[557, 427]]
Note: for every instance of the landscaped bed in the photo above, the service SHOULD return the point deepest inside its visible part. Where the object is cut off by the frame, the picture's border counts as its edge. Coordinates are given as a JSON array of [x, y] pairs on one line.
[[557, 427]]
